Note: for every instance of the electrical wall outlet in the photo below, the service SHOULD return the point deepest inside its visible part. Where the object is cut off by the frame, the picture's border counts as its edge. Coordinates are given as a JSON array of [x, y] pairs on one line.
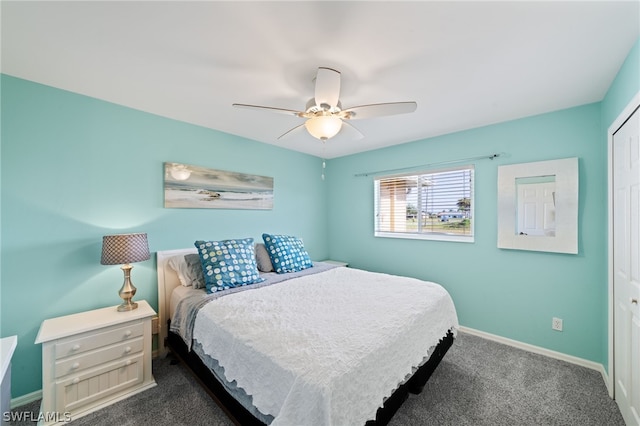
[[556, 324]]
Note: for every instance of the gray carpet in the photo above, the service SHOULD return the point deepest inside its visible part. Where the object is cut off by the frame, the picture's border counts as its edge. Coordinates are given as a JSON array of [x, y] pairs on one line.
[[479, 382]]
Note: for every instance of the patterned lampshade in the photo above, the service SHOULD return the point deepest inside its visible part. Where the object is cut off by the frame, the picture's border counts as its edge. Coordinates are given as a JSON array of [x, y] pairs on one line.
[[124, 248]]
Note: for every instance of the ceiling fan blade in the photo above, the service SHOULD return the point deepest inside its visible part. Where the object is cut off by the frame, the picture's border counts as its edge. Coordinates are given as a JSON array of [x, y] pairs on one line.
[[327, 88], [379, 110], [350, 131], [270, 109], [296, 130]]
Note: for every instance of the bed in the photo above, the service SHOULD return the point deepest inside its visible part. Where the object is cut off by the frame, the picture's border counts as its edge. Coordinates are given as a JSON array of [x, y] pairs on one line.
[[327, 345]]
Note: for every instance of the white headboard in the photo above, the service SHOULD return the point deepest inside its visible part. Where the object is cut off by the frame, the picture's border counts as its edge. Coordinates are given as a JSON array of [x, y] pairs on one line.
[[167, 281]]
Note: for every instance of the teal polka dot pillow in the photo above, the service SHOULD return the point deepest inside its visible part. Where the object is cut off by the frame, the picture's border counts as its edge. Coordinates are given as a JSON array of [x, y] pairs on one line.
[[228, 264], [287, 253]]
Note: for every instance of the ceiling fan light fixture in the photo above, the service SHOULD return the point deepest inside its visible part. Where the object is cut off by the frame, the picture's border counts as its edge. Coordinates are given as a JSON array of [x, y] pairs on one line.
[[323, 127]]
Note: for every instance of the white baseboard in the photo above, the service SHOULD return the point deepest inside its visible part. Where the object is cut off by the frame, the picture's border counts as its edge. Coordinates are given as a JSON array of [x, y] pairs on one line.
[[542, 351], [25, 399]]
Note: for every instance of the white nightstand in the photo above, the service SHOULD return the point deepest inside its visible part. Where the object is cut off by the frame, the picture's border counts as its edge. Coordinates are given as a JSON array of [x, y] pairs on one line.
[[335, 262], [93, 359]]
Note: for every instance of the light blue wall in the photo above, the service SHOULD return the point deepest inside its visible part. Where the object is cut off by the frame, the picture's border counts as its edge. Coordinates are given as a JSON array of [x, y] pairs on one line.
[[75, 168], [510, 293]]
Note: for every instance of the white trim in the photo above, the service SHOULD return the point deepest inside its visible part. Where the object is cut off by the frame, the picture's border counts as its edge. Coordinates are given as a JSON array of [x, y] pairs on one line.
[[427, 236], [539, 350], [26, 399], [617, 123]]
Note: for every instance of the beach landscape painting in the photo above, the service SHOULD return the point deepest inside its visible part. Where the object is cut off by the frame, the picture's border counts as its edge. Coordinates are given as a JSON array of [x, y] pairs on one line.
[[195, 187]]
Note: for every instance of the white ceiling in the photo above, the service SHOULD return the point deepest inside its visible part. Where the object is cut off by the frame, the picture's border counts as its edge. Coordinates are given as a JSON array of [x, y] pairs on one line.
[[466, 64]]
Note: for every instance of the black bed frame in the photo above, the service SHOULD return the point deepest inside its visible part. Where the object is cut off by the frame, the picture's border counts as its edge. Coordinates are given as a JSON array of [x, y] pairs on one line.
[[241, 416]]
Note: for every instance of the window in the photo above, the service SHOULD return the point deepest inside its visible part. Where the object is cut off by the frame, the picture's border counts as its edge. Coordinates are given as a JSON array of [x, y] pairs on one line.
[[437, 205]]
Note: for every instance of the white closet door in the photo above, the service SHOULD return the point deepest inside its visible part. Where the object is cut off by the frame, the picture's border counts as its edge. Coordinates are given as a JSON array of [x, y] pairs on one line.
[[626, 267]]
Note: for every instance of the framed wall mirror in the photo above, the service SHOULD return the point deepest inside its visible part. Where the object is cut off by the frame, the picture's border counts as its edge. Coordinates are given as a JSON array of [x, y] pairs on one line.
[[538, 206]]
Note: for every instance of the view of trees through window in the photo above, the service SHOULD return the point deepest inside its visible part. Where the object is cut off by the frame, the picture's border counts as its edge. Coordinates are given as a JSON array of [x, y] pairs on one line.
[[438, 202]]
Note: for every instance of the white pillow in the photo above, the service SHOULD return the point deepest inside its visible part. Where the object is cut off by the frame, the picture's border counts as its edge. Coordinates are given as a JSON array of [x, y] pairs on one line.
[[178, 264]]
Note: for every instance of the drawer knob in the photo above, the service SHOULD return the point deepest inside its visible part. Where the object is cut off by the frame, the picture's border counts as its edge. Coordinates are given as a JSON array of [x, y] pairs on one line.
[[75, 365], [127, 349], [128, 362], [75, 347], [76, 380], [127, 333]]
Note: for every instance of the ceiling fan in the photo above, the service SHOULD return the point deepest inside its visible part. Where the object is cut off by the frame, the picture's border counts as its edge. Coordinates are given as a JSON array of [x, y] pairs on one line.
[[324, 114]]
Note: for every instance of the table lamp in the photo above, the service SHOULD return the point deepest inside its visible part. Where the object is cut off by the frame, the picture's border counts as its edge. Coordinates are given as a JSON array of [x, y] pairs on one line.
[[124, 249]]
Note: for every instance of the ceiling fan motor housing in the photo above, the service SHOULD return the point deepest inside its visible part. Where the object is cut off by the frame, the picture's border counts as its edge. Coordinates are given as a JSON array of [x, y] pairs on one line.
[[324, 109]]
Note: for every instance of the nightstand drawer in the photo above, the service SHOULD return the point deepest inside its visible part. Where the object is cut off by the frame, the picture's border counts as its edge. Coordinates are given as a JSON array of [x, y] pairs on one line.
[[97, 357], [91, 386], [95, 340]]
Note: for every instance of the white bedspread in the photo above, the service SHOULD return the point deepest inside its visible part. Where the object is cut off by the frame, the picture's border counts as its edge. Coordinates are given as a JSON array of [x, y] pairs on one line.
[[325, 349]]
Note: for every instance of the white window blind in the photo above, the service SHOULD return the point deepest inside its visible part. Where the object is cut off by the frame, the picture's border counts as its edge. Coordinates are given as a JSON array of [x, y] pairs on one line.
[[429, 205]]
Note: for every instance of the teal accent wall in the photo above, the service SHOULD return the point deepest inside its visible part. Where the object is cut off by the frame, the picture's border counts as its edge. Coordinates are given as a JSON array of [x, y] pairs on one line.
[[76, 168], [509, 293]]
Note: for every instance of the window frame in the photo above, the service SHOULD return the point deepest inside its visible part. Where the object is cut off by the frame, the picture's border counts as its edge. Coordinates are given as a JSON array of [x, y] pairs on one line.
[[432, 236]]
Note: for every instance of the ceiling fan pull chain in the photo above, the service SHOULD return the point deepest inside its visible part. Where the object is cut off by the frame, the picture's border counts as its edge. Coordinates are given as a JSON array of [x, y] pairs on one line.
[[324, 163]]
